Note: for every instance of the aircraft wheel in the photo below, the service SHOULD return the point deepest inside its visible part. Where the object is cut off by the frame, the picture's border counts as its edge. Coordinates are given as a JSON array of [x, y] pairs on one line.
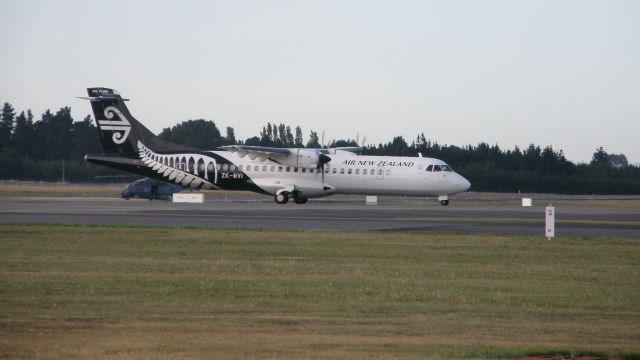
[[300, 200], [444, 202], [282, 198]]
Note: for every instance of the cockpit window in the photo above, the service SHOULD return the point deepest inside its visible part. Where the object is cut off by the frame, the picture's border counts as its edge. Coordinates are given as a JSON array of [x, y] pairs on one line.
[[430, 167], [436, 168], [446, 168]]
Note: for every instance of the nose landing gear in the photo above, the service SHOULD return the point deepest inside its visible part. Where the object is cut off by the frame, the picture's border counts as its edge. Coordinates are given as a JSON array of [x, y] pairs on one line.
[[444, 200]]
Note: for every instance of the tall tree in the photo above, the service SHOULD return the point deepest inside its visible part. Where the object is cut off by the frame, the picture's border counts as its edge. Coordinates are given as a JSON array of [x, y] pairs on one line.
[[282, 135], [314, 141], [289, 136], [618, 161], [269, 132], [200, 133], [61, 142], [23, 134], [275, 133], [85, 139], [42, 136], [600, 158], [6, 126], [299, 141], [231, 137]]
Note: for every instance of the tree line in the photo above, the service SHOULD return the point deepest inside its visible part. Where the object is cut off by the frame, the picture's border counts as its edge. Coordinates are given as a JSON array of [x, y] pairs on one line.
[[39, 149]]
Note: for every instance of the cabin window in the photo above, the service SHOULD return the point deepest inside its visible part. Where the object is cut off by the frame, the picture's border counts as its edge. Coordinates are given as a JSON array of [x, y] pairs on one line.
[[388, 172], [218, 167], [430, 167], [288, 169], [437, 168], [364, 171], [357, 171], [326, 170], [264, 168], [372, 172], [232, 167], [295, 169], [310, 171], [225, 167], [304, 170], [240, 167], [341, 171], [334, 170], [279, 168], [349, 171], [256, 168], [273, 168], [380, 172]]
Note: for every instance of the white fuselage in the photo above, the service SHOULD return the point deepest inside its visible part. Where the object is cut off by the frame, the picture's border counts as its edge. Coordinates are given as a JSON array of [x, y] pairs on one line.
[[348, 173]]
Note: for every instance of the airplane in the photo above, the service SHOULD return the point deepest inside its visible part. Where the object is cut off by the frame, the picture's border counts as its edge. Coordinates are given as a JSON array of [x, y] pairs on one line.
[[284, 173]]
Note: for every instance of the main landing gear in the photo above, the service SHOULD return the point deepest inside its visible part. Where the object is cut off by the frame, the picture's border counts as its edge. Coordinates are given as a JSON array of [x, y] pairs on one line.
[[283, 198]]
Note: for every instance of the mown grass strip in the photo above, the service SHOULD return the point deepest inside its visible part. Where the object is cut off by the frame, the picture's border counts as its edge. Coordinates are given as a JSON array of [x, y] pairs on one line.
[[133, 292]]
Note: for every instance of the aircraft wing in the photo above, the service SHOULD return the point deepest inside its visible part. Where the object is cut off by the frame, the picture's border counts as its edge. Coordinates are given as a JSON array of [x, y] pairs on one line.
[[253, 152], [353, 149]]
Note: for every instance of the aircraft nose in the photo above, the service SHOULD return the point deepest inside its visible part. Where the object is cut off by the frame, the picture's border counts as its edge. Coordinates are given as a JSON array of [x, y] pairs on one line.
[[467, 184], [463, 183]]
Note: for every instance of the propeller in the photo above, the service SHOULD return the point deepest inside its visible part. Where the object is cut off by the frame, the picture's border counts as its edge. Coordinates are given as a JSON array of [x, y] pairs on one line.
[[322, 159], [364, 144]]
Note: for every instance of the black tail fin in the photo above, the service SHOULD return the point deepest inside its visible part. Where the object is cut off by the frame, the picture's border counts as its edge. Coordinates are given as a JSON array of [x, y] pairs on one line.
[[119, 131]]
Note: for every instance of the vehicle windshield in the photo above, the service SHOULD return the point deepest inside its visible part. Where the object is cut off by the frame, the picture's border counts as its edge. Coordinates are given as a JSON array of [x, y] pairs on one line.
[[435, 168]]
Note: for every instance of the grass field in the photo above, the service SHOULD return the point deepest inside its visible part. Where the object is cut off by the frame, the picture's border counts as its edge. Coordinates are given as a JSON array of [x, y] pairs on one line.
[[70, 292], [59, 189]]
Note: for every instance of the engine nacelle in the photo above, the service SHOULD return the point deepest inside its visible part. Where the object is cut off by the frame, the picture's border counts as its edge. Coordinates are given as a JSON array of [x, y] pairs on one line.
[[302, 158]]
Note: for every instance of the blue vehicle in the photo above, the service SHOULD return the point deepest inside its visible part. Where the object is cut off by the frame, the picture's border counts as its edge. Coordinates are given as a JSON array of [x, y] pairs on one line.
[[150, 189]]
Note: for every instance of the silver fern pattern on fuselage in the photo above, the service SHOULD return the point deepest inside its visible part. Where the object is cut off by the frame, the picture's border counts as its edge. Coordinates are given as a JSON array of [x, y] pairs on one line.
[[186, 169]]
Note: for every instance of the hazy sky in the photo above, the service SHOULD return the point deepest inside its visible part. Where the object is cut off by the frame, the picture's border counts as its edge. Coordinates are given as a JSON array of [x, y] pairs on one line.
[[561, 73]]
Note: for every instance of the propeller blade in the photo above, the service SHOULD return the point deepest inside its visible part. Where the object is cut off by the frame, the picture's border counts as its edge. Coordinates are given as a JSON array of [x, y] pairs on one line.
[[323, 159]]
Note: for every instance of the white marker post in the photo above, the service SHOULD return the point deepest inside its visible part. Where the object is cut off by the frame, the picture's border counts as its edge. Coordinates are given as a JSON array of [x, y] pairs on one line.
[[550, 222]]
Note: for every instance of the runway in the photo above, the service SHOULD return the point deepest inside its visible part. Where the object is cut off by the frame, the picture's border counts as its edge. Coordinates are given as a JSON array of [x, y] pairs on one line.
[[336, 213]]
